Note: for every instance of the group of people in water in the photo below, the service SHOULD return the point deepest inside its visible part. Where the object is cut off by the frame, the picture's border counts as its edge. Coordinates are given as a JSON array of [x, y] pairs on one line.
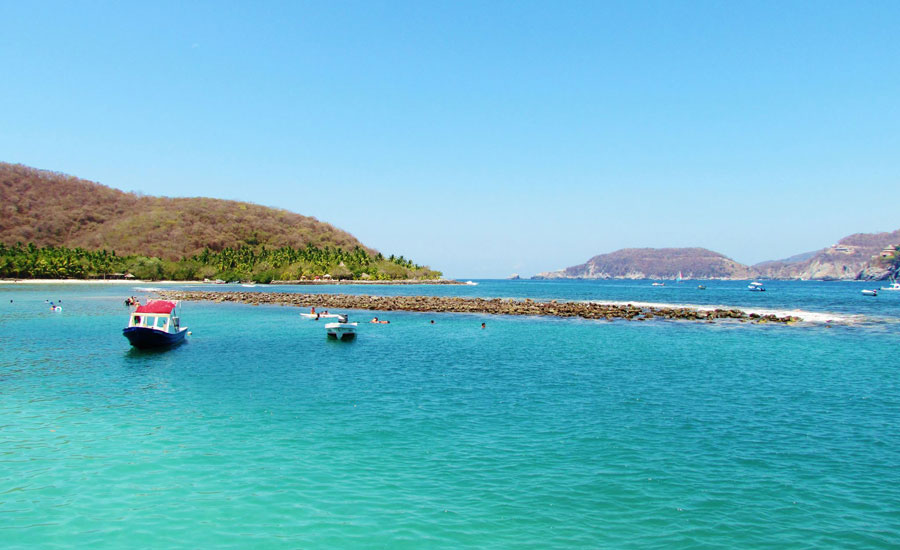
[[132, 301], [374, 321]]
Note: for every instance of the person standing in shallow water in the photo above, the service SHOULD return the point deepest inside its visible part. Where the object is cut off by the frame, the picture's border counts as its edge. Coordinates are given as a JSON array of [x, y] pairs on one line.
[[483, 326]]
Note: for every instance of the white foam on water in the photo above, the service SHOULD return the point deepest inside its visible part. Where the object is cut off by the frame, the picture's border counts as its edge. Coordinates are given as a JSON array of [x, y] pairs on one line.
[[804, 315]]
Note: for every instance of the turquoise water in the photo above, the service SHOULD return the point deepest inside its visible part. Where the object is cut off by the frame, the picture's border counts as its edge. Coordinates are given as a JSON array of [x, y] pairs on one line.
[[531, 433]]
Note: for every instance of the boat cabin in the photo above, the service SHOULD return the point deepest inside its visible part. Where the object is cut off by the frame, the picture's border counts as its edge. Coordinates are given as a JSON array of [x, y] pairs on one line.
[[155, 314]]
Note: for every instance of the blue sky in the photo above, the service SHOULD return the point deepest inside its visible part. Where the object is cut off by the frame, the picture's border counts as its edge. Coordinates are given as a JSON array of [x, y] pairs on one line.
[[481, 138]]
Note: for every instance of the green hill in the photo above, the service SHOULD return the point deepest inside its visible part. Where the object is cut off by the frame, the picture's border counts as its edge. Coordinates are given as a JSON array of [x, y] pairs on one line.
[[63, 220], [52, 209]]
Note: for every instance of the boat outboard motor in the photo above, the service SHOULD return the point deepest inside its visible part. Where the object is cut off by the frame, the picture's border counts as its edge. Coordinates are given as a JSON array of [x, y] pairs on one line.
[[342, 318]]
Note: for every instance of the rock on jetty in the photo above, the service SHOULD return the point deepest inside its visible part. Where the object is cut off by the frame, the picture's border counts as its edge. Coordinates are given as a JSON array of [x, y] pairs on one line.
[[495, 306]]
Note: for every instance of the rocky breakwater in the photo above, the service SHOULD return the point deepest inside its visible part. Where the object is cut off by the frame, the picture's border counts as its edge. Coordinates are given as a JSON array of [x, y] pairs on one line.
[[495, 306]]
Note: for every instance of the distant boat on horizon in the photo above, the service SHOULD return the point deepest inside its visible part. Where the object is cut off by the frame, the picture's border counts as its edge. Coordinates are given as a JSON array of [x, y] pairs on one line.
[[679, 278]]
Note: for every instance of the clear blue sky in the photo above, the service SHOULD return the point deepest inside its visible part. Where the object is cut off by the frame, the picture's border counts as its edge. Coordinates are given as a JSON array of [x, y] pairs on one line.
[[481, 138]]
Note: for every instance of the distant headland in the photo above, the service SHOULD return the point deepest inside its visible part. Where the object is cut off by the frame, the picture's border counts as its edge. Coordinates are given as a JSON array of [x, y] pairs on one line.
[[863, 256]]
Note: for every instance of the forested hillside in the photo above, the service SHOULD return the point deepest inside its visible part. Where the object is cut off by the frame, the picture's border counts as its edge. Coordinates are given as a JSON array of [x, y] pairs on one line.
[[58, 226]]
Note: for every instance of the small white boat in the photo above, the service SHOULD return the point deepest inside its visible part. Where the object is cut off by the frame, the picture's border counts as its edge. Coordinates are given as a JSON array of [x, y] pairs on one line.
[[894, 286], [320, 315], [471, 283], [657, 284], [701, 287], [872, 292], [251, 284], [756, 286], [342, 330]]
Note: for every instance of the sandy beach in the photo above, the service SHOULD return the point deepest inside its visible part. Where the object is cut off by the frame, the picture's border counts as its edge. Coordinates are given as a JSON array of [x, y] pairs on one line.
[[274, 283], [88, 282]]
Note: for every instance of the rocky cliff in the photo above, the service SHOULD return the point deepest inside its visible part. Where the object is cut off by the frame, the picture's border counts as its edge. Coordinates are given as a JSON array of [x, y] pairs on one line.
[[857, 257]]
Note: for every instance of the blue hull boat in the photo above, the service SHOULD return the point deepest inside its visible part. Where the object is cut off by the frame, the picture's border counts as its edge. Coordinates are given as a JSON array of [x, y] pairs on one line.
[[154, 325], [141, 337]]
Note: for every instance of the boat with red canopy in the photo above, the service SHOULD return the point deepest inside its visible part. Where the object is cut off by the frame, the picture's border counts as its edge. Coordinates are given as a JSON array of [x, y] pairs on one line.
[[154, 324]]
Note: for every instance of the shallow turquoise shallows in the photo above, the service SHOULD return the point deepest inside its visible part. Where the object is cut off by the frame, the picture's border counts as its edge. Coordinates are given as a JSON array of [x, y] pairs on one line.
[[531, 433]]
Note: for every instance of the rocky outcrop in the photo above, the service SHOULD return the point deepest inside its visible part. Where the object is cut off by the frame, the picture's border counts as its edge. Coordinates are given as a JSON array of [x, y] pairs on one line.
[[495, 306], [863, 256]]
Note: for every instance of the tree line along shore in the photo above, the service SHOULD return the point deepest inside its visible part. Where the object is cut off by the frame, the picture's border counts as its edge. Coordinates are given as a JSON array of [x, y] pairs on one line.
[[245, 263], [495, 306]]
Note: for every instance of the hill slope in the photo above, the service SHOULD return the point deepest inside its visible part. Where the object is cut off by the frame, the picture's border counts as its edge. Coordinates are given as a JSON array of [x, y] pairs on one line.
[[52, 209], [655, 263], [856, 256]]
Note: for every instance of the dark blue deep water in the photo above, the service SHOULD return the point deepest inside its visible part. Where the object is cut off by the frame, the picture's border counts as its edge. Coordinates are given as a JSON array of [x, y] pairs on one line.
[[531, 433]]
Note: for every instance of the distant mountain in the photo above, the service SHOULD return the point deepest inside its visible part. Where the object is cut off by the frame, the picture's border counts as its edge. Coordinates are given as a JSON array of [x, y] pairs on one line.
[[655, 263], [861, 256], [52, 209], [858, 256]]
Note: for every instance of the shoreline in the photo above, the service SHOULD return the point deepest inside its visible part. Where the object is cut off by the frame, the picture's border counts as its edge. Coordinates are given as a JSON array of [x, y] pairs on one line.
[[398, 282], [79, 281], [494, 306]]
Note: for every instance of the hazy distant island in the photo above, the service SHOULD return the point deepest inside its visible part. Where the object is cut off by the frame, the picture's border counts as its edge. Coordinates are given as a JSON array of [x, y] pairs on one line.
[[861, 256], [58, 226], [654, 263]]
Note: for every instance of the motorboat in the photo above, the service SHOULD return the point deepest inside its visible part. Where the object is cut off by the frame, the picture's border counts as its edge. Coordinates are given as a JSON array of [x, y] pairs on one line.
[[471, 283], [251, 284], [756, 286], [701, 287], [657, 284], [894, 286], [154, 324], [872, 292], [320, 315], [341, 330]]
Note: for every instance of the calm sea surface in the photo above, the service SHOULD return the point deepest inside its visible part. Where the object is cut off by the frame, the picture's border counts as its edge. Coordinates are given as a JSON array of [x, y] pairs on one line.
[[532, 433]]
